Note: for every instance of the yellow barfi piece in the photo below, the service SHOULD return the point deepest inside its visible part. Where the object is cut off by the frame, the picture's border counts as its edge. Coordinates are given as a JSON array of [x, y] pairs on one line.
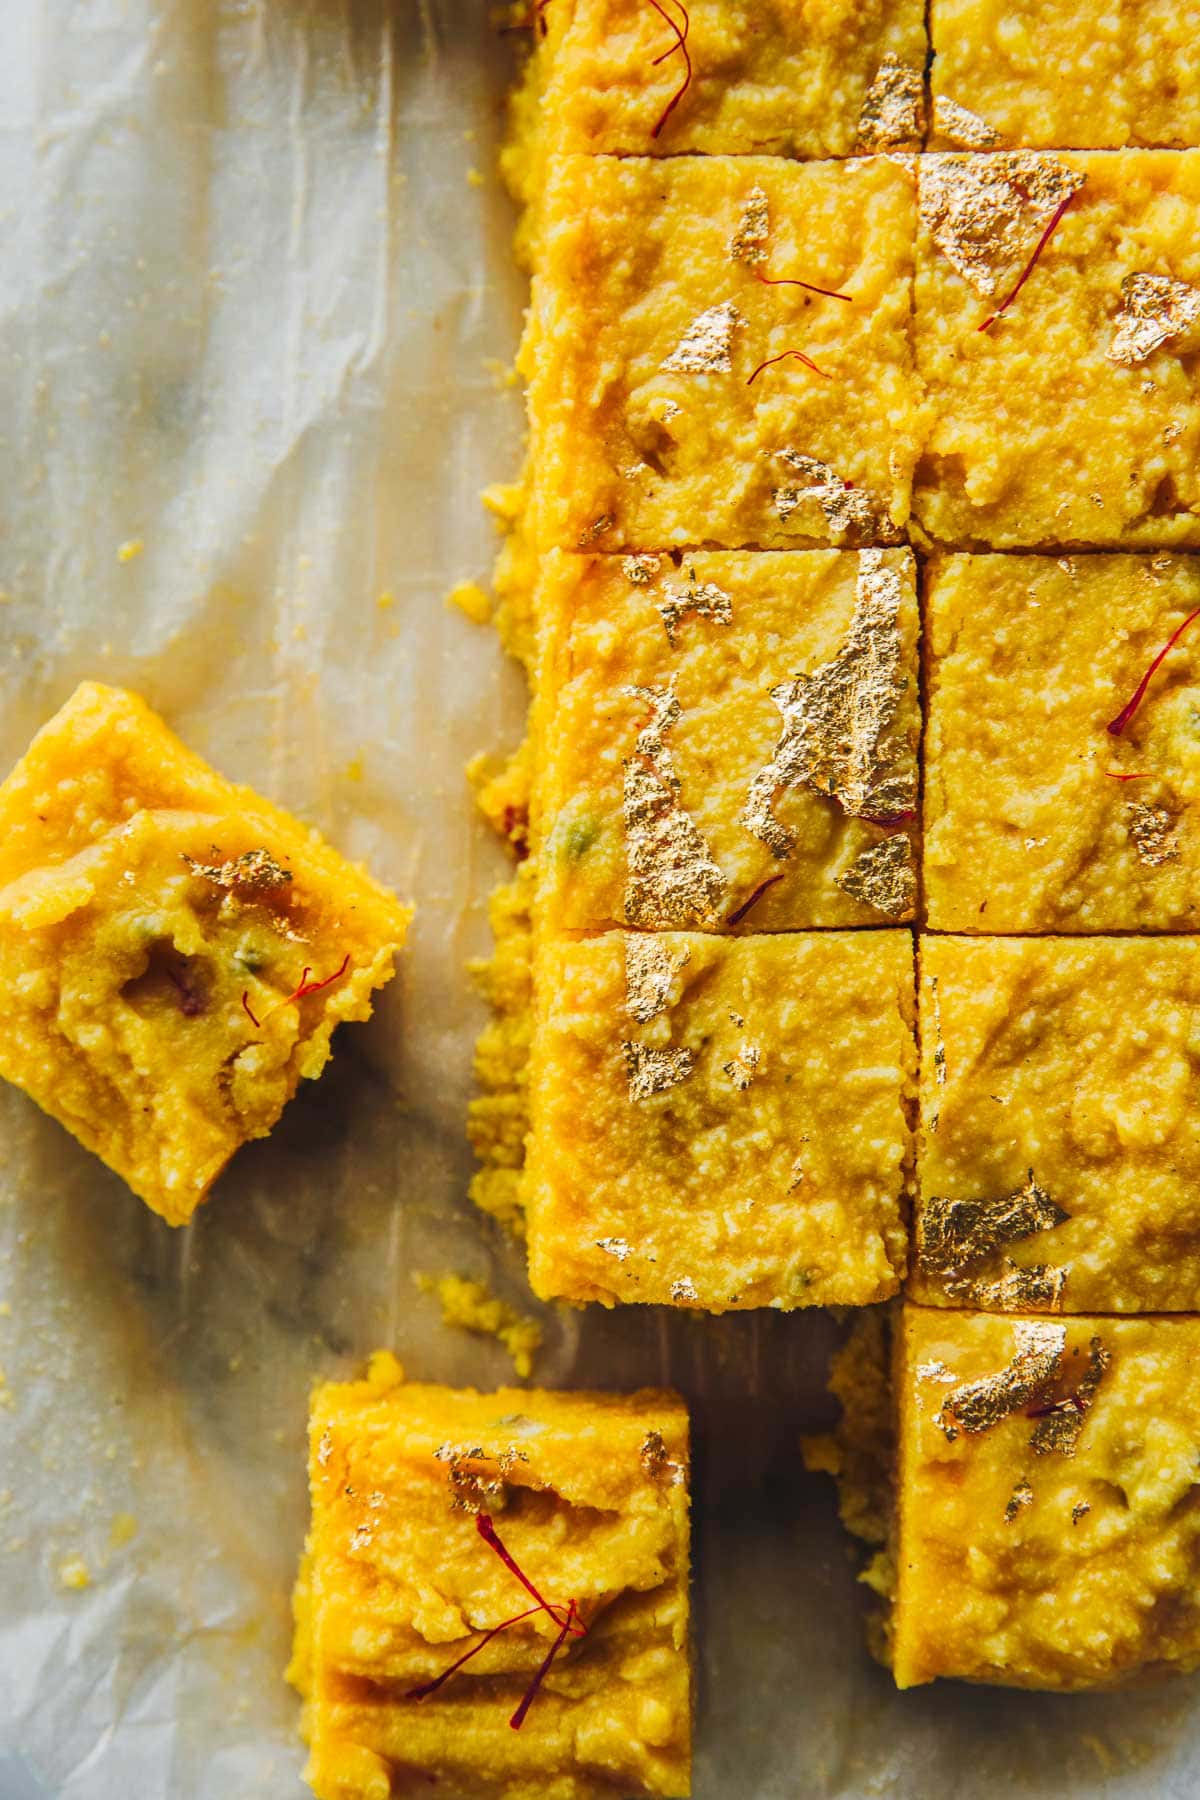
[[654, 418], [175, 952], [1074, 418], [1060, 1143], [1046, 73], [720, 1123], [1048, 1528], [729, 741], [1037, 816], [411, 1488]]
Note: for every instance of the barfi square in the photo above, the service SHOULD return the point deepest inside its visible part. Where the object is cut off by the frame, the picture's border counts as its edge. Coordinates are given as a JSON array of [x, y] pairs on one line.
[[175, 952], [721, 1123], [729, 742], [1063, 73], [1073, 416], [494, 1596], [1048, 1530], [1059, 1149], [687, 384], [1062, 758]]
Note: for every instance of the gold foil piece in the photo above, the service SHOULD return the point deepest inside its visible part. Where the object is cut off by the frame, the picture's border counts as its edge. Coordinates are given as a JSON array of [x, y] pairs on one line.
[[884, 876], [978, 1405], [748, 243], [641, 569], [850, 513], [704, 348], [743, 1067], [477, 1490], [1022, 1495], [836, 736], [1080, 1511], [953, 1234], [654, 1071], [252, 869], [1152, 832], [704, 598], [1059, 1429], [1153, 309], [1037, 1288], [650, 968], [684, 1289], [615, 1246], [893, 110], [656, 1464], [673, 882], [962, 127], [986, 213]]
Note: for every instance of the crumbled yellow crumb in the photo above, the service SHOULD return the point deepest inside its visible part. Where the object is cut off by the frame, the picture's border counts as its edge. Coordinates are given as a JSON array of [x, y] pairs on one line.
[[469, 1305], [122, 1531], [474, 178], [6, 1393], [74, 1573], [131, 548], [5, 1310], [386, 600], [470, 599], [354, 768], [384, 1371]]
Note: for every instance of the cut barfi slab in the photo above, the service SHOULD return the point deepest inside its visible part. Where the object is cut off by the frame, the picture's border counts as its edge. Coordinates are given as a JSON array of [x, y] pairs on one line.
[[1060, 1141], [1047, 73], [721, 1123], [494, 1597], [175, 952], [1049, 804], [1048, 1525], [1074, 417], [679, 394], [729, 741]]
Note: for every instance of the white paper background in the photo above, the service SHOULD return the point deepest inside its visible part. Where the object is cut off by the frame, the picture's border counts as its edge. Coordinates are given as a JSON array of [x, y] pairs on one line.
[[248, 295]]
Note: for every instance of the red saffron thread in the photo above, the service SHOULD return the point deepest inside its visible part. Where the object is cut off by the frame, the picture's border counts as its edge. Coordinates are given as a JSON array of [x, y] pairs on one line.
[[782, 357], [679, 44], [736, 917], [1031, 265], [1119, 775], [518, 1718], [534, 20], [790, 281], [305, 988], [431, 1687], [1116, 726], [247, 1009], [1071, 1400]]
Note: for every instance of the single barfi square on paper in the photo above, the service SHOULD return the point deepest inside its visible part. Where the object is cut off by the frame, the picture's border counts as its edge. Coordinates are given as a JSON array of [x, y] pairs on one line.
[[1063, 73], [1059, 1149], [175, 952], [728, 742], [721, 1123], [689, 384], [1048, 1506], [1062, 761], [1058, 332], [494, 1597]]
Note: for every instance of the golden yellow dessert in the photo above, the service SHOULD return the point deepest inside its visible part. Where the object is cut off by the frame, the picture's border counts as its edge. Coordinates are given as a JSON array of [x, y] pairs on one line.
[[1047, 1530], [1073, 418], [494, 1597], [175, 951], [1047, 73], [727, 741], [721, 1123], [1060, 1140], [1061, 757], [686, 387]]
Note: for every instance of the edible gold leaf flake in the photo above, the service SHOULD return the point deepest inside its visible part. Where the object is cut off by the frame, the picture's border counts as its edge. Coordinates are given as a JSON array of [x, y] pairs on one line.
[[978, 1405], [933, 1370], [704, 598], [684, 1289], [650, 968], [954, 1234], [1060, 1428], [324, 1447], [1152, 831], [1080, 1511], [656, 1464], [641, 569], [939, 1044], [1039, 1287], [1022, 1495], [960, 126], [591, 533], [893, 109], [744, 1065], [673, 881], [985, 213], [704, 348], [796, 1174], [884, 876], [850, 513], [754, 227], [836, 738], [614, 1246], [253, 869], [471, 1490], [654, 1071], [1153, 308]]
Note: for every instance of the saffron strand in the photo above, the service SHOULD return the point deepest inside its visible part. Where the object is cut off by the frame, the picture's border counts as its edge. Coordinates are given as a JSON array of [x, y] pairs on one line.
[[1031, 265], [782, 357], [531, 1692], [1116, 726], [680, 44], [791, 281], [431, 1687]]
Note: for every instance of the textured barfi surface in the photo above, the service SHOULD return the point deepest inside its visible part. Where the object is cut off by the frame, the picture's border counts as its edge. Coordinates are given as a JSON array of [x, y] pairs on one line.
[[729, 740], [648, 424], [175, 952], [588, 1493], [1075, 417], [721, 1123], [1060, 1139], [1049, 1530], [1037, 817], [1067, 73]]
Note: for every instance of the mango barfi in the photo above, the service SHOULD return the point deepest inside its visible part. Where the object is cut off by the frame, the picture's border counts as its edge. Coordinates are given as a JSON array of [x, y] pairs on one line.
[[1062, 758], [1060, 1144], [1047, 73], [1048, 1503], [175, 952], [721, 1123], [1057, 330], [494, 1597], [718, 352], [729, 741]]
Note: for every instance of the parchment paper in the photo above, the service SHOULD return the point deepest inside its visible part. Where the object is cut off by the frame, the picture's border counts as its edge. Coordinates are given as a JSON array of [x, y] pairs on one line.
[[253, 308]]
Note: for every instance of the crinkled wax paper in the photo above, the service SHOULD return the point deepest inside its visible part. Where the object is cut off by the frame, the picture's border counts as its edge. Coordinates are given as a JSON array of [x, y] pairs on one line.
[[256, 303]]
